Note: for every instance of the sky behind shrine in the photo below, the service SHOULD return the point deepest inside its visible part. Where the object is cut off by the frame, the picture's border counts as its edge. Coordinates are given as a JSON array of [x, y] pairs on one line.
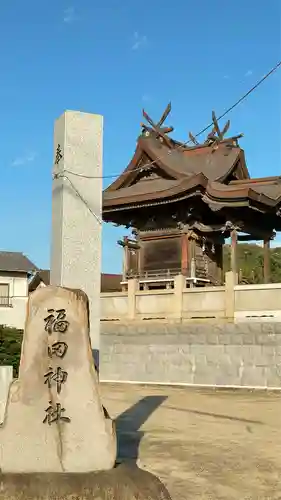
[[114, 58]]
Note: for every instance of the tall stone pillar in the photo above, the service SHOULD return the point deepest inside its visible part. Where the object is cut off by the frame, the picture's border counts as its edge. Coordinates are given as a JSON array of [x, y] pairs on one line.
[[76, 210]]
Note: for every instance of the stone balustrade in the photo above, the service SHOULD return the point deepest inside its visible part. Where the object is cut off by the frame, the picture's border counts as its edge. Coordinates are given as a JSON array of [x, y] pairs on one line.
[[231, 302]]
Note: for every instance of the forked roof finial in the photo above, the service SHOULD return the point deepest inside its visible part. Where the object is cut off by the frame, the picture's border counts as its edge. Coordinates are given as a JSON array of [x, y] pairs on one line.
[[157, 128]]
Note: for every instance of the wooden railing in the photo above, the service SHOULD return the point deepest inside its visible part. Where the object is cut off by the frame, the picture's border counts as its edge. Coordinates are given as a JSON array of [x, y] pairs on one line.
[[154, 273], [196, 273]]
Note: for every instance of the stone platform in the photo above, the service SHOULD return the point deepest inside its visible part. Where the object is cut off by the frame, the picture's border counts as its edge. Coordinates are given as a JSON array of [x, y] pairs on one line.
[[125, 482]]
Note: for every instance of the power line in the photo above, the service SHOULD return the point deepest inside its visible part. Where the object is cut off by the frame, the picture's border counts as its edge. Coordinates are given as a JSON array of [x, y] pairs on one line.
[[242, 98], [97, 217], [252, 89]]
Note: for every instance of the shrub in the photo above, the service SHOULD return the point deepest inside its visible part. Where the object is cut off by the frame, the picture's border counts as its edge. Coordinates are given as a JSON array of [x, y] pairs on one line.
[[10, 347]]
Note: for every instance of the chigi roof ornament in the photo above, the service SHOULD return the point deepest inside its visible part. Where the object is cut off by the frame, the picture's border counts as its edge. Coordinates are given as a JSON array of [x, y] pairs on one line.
[[161, 132], [216, 135]]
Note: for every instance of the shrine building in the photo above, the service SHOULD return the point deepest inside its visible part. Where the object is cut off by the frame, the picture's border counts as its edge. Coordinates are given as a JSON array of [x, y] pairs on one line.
[[183, 201]]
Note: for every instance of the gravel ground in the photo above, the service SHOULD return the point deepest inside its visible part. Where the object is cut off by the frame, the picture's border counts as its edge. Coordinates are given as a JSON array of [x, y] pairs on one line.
[[203, 444]]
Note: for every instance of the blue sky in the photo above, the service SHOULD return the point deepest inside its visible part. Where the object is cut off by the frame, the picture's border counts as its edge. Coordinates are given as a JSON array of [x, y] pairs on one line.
[[113, 58]]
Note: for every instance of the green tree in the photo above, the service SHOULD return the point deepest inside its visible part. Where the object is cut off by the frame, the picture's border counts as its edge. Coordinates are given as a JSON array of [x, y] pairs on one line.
[[250, 262], [10, 347], [276, 265]]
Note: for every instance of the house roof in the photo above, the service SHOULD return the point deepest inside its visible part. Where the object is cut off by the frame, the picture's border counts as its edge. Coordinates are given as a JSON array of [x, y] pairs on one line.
[[109, 282], [42, 275], [16, 262], [164, 171]]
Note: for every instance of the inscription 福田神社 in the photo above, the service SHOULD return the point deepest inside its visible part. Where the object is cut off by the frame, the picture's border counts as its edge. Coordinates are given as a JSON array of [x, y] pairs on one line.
[[54, 413], [59, 155], [57, 349], [56, 322], [58, 376]]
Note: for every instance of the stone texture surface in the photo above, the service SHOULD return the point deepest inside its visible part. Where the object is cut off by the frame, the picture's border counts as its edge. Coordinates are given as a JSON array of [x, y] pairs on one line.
[[6, 377], [224, 354], [76, 209], [123, 483], [85, 443]]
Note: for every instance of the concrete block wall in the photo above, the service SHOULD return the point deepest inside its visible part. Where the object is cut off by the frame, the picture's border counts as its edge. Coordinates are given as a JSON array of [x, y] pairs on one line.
[[229, 354]]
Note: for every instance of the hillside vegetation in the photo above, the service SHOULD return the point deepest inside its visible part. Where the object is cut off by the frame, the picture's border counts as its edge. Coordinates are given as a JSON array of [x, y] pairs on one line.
[[250, 262]]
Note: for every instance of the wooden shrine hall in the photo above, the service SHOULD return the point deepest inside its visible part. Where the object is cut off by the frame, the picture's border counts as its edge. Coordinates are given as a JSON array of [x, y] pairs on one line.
[[183, 201]]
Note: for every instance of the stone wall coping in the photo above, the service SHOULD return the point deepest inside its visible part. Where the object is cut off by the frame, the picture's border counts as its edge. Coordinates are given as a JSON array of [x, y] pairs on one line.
[[205, 289], [262, 286], [114, 294]]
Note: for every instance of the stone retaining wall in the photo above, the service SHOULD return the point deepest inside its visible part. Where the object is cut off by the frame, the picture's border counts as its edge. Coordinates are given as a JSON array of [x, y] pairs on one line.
[[225, 355]]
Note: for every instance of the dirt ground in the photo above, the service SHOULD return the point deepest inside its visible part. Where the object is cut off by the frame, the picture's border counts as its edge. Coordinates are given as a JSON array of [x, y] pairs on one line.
[[203, 444]]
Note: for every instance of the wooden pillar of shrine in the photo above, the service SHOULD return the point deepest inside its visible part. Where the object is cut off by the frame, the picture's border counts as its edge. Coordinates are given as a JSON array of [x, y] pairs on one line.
[[219, 263], [233, 255], [184, 255], [125, 262], [266, 260], [192, 260]]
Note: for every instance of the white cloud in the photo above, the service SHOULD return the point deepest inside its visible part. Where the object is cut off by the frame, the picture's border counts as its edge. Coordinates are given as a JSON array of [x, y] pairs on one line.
[[249, 72], [24, 159], [139, 41], [226, 77], [69, 15]]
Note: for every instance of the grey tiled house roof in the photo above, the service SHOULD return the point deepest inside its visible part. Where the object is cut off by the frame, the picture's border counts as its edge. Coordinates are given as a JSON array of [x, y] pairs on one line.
[[16, 262]]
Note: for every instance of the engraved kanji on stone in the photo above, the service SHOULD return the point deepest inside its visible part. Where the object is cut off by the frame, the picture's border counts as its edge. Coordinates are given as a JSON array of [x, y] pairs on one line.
[[58, 155], [56, 321], [59, 376], [57, 349], [55, 414]]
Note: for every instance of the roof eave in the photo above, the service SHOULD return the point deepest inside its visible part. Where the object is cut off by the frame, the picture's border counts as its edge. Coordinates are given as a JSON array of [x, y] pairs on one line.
[[187, 185], [21, 271]]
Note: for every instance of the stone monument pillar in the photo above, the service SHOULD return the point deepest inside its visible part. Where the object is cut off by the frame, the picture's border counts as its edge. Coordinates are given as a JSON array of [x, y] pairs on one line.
[[76, 210], [54, 420], [57, 439]]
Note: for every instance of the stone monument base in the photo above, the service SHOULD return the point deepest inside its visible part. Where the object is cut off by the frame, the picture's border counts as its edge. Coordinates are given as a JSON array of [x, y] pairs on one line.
[[125, 482]]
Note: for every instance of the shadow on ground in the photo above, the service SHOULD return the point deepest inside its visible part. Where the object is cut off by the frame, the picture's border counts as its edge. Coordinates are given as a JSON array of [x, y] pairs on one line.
[[129, 423], [128, 426]]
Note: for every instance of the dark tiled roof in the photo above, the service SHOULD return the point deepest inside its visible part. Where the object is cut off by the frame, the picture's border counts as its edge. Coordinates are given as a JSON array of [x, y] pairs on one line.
[[41, 275], [109, 282], [44, 275], [16, 262]]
